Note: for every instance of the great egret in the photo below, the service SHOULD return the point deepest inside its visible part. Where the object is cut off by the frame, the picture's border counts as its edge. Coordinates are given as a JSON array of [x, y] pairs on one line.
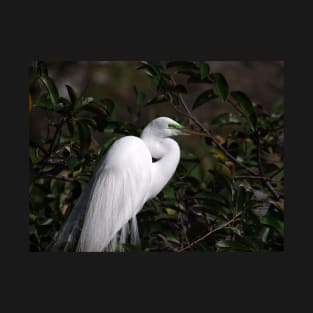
[[124, 180]]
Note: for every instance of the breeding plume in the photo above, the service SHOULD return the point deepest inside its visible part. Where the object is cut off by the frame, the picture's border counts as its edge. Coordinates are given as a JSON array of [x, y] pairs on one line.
[[126, 178]]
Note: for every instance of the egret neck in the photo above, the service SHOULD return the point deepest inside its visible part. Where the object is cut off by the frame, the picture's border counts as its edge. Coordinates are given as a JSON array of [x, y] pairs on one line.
[[167, 153]]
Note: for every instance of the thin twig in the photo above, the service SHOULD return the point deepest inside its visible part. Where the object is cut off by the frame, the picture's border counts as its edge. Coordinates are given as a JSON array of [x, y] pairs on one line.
[[257, 178], [69, 179], [267, 184], [277, 172], [179, 111], [217, 143], [235, 106], [56, 135], [235, 218], [258, 152], [220, 146], [252, 177]]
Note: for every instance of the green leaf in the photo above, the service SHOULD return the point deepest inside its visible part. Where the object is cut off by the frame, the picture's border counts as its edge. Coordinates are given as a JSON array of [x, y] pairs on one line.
[[225, 118], [204, 69], [140, 96], [84, 137], [46, 222], [72, 94], [65, 102], [274, 223], [96, 108], [170, 211], [52, 89], [87, 120], [32, 217], [108, 104], [232, 245], [264, 234], [158, 99], [72, 162], [44, 101], [155, 82], [149, 69], [204, 97], [277, 110], [235, 230], [220, 84], [246, 108], [35, 154]]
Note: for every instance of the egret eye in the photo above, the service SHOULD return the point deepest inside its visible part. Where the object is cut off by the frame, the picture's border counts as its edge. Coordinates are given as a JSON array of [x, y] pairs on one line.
[[175, 126]]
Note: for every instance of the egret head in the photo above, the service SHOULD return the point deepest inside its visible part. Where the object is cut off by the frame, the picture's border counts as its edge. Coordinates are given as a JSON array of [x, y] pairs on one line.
[[163, 127]]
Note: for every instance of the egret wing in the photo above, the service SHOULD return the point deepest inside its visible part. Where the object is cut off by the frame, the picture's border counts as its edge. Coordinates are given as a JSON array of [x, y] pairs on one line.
[[119, 192], [115, 195]]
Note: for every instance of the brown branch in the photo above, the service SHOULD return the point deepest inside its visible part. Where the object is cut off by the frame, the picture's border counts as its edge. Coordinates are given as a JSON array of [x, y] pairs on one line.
[[267, 184], [258, 152], [235, 218], [266, 181], [277, 172], [57, 135], [235, 106], [217, 143], [252, 177], [58, 177]]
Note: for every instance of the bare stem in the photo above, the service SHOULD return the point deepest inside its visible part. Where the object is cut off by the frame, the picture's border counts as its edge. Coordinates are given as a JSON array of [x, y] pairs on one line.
[[58, 177], [217, 143], [57, 135], [235, 218], [252, 177], [189, 114], [277, 172]]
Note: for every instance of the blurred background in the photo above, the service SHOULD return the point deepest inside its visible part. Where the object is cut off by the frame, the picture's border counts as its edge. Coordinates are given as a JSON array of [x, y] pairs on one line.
[[261, 80]]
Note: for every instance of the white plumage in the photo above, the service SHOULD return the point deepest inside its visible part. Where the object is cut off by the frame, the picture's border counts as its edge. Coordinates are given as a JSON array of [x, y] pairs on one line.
[[125, 179], [120, 191]]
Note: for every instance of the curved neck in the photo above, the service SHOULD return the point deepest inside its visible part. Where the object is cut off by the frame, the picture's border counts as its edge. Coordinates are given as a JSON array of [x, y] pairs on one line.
[[167, 151]]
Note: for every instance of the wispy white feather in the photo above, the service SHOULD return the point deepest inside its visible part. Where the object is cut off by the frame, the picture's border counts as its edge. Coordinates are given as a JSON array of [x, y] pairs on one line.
[[116, 197], [124, 180]]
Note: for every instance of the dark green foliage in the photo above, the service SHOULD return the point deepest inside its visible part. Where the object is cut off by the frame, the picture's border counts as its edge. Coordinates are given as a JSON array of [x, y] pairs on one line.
[[225, 208]]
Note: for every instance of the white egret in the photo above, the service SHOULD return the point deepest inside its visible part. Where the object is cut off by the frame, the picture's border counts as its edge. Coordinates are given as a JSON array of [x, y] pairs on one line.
[[124, 180]]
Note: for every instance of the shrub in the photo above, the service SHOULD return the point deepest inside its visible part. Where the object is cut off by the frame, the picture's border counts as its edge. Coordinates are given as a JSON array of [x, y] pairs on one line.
[[236, 206]]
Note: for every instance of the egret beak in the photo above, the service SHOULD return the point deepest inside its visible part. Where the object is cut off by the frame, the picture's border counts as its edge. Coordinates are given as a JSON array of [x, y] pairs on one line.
[[195, 133]]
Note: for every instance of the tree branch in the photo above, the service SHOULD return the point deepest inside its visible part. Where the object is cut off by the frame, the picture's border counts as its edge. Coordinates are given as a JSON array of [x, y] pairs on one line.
[[57, 135], [235, 218], [69, 179], [252, 177], [217, 143], [267, 184], [277, 172]]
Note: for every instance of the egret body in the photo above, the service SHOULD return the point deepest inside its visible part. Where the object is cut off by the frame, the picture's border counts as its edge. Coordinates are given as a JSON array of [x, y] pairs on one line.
[[124, 180]]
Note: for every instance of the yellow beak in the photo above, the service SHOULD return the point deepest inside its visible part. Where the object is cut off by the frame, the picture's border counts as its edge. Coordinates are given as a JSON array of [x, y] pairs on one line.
[[193, 132]]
